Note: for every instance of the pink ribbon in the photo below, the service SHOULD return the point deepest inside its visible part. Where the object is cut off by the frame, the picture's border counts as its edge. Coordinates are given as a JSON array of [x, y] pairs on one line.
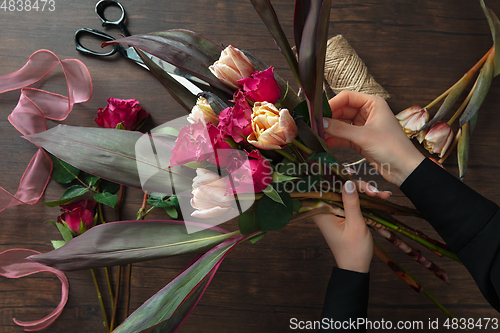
[[14, 265], [32, 110]]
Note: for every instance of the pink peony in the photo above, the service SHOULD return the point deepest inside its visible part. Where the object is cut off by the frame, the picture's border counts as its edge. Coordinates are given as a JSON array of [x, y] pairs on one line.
[[78, 216], [261, 87], [121, 113], [235, 121], [192, 145]]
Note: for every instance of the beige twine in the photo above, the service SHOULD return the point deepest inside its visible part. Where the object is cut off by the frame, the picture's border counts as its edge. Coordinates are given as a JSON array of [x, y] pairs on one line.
[[344, 70]]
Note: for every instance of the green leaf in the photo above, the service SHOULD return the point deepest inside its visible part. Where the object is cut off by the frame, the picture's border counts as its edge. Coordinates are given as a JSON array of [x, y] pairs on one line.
[[63, 172], [494, 24], [288, 168], [65, 231], [270, 19], [172, 212], [121, 243], [302, 111], [257, 238], [248, 223], [107, 199], [107, 186], [327, 110], [296, 205], [116, 155], [325, 158], [280, 178], [481, 89], [167, 130], [68, 195], [271, 193], [58, 243], [273, 215], [89, 179], [166, 310], [120, 126]]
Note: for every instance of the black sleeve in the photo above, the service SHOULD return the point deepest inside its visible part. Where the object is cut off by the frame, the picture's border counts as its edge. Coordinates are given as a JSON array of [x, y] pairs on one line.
[[346, 300], [468, 222]]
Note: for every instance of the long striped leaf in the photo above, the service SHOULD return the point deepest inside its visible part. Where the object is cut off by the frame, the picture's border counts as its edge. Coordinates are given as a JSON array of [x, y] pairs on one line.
[[120, 243], [123, 157], [166, 310], [494, 24], [186, 50]]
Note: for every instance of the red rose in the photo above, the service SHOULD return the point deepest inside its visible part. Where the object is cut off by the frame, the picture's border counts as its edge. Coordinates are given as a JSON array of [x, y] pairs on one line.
[[235, 121], [121, 113], [78, 216], [261, 87], [251, 176]]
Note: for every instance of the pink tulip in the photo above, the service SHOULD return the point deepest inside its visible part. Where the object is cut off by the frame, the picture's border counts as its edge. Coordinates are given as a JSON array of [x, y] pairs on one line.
[[193, 144], [232, 66], [272, 128], [78, 216], [412, 120], [209, 195], [203, 111], [121, 113], [438, 138], [261, 87]]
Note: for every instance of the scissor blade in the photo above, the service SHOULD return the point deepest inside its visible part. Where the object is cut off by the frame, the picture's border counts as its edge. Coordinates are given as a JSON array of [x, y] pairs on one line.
[[169, 68]]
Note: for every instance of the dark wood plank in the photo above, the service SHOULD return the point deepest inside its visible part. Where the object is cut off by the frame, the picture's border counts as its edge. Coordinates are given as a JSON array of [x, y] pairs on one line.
[[415, 49]]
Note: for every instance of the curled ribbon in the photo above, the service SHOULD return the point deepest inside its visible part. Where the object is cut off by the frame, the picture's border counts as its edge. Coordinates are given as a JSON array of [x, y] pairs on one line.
[[14, 265], [32, 110]]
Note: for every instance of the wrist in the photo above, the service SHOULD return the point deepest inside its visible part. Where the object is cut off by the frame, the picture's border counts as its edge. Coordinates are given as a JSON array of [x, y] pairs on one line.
[[407, 164]]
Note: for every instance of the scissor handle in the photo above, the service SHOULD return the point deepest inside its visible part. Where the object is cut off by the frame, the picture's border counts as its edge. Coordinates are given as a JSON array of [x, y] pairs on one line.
[[100, 34], [120, 23]]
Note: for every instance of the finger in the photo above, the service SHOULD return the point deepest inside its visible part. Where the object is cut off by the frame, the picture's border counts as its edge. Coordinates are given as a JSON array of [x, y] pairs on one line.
[[371, 190], [349, 114], [351, 99], [328, 223], [351, 205], [341, 129]]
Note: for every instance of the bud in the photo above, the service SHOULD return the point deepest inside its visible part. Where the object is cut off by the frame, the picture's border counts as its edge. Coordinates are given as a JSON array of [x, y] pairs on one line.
[[272, 128], [203, 111], [209, 195], [78, 216], [232, 66], [412, 120], [438, 138]]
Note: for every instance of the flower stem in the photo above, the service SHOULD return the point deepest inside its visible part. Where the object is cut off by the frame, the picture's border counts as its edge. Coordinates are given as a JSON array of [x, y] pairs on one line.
[[463, 105], [101, 303], [302, 147], [113, 316], [286, 155]]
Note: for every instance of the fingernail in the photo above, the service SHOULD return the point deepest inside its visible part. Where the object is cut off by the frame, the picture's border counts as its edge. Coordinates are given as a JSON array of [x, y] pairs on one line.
[[349, 187], [373, 188], [325, 123], [388, 192], [350, 170]]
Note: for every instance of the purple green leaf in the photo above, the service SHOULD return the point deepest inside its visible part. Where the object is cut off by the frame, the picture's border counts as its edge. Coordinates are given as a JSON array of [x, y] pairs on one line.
[[112, 154], [168, 309], [186, 50], [120, 243], [270, 19], [494, 24], [481, 89]]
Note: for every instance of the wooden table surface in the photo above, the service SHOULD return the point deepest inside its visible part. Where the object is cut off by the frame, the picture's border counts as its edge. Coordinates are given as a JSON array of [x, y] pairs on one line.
[[415, 49]]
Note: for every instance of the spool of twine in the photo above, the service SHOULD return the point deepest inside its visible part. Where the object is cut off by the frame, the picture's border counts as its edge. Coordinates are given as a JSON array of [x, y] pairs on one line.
[[344, 70]]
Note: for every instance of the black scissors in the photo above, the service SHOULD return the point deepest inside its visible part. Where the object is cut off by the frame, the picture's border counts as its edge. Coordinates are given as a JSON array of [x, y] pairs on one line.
[[100, 7]]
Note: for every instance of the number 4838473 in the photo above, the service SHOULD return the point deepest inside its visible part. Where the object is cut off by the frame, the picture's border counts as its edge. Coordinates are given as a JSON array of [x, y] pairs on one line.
[[28, 5]]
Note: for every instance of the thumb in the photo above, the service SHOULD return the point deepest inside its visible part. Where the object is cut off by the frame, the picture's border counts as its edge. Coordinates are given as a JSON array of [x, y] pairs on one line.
[[352, 209], [341, 129]]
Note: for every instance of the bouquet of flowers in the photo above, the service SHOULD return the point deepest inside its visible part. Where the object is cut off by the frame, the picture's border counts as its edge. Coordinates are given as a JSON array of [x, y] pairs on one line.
[[248, 149]]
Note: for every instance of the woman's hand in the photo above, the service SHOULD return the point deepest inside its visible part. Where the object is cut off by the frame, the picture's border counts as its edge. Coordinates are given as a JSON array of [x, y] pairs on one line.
[[349, 238], [366, 124]]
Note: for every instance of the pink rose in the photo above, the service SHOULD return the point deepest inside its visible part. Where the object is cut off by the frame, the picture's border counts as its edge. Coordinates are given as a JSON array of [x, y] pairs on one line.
[[261, 87], [249, 177], [193, 144], [121, 113], [78, 216], [220, 146], [235, 121]]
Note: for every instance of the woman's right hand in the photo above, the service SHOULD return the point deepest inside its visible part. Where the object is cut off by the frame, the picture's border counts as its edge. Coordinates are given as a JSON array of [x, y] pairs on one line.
[[366, 124]]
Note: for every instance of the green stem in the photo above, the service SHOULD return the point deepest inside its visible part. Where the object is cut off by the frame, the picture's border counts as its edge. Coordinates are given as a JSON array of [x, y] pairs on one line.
[[286, 155], [302, 147], [115, 308], [463, 105], [101, 303]]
